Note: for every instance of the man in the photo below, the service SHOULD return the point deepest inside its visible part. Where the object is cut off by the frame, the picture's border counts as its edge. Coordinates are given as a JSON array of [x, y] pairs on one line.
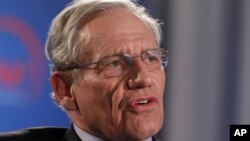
[[107, 73]]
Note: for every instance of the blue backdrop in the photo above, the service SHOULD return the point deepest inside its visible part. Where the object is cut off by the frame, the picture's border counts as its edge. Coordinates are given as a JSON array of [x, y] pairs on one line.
[[24, 73]]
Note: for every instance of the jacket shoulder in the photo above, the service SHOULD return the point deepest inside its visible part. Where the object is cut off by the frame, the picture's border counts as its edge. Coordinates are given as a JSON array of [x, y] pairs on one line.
[[35, 134]]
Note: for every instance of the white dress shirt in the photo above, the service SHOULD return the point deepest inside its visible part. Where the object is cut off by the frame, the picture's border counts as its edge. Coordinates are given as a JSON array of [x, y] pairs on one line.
[[84, 136]]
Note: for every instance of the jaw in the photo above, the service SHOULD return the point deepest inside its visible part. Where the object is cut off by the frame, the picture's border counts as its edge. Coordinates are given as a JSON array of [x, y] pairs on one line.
[[136, 126]]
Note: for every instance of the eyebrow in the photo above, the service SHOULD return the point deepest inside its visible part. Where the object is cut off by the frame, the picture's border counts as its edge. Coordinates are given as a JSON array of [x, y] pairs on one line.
[[123, 53], [114, 54]]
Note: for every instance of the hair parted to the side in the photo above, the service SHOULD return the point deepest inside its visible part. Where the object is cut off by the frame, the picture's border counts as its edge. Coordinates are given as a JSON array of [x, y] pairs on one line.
[[65, 43], [68, 36]]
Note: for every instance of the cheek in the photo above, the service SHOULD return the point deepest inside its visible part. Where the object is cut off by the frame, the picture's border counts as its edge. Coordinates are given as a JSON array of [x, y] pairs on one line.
[[93, 95], [162, 79], [117, 106], [99, 99]]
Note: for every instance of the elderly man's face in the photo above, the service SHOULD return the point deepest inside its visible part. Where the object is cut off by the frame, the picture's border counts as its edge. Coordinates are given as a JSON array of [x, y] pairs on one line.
[[128, 106]]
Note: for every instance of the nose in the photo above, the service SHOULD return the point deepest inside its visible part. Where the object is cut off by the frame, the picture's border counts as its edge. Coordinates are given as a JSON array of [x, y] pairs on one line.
[[139, 77]]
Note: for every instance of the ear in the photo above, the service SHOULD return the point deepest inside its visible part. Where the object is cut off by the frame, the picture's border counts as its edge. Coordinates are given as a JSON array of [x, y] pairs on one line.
[[61, 87]]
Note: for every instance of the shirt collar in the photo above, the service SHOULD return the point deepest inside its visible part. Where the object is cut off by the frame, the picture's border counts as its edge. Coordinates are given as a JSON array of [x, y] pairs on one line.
[[84, 136]]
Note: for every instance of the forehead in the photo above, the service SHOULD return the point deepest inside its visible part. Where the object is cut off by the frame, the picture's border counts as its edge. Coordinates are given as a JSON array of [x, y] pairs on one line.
[[117, 30]]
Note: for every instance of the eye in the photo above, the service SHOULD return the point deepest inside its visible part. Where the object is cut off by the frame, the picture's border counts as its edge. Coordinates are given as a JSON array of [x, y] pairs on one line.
[[150, 59], [151, 56], [113, 63]]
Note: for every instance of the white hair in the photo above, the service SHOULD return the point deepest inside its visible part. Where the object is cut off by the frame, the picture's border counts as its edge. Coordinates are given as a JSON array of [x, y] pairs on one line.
[[64, 44]]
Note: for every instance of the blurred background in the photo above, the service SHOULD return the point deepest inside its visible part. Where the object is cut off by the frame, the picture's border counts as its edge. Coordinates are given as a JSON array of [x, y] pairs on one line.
[[24, 74], [208, 77]]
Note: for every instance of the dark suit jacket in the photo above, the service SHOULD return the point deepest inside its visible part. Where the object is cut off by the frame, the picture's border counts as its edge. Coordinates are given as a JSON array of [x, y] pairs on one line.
[[42, 134]]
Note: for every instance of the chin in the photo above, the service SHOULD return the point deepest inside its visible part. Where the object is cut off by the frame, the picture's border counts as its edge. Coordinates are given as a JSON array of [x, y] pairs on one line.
[[144, 130]]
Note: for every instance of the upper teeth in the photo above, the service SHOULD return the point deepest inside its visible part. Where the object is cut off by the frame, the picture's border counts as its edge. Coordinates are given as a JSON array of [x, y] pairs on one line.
[[143, 101]]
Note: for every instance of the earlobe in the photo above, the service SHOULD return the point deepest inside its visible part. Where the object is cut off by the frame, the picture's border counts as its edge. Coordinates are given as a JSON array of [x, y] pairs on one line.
[[69, 103], [61, 88]]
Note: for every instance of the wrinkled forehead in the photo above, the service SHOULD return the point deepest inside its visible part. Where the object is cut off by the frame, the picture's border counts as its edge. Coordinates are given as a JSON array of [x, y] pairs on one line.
[[116, 29], [116, 21]]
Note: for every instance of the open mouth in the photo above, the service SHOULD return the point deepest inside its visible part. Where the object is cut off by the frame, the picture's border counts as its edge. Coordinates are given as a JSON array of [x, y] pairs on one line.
[[143, 102]]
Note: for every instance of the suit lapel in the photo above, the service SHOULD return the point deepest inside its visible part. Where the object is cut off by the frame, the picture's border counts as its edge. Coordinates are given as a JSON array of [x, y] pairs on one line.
[[155, 139], [71, 135]]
